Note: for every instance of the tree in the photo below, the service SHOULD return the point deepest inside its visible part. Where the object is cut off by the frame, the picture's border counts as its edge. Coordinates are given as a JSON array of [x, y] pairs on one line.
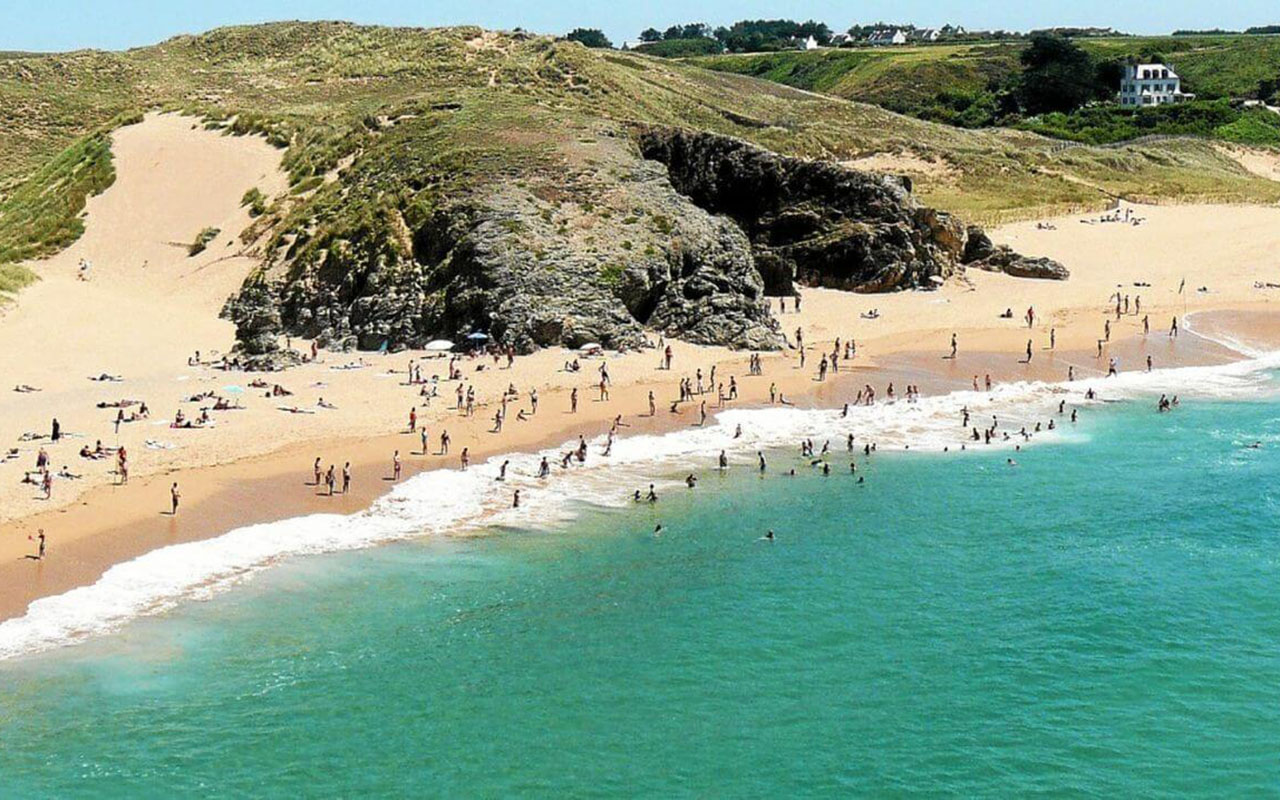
[[591, 37], [1108, 74], [1057, 75], [650, 35]]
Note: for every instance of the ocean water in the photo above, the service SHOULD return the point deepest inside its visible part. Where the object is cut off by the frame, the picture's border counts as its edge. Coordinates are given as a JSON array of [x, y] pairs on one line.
[[1102, 618]]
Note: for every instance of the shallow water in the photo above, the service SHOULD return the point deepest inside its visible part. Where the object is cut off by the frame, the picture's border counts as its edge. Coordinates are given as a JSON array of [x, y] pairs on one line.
[[1102, 619]]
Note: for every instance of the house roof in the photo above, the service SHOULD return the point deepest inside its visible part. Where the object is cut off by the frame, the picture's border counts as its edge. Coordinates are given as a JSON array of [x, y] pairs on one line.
[[1140, 67]]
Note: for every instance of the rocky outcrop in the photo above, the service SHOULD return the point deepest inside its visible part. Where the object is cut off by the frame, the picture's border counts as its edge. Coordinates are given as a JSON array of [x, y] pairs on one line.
[[981, 253], [812, 222], [667, 231], [1003, 259], [527, 271]]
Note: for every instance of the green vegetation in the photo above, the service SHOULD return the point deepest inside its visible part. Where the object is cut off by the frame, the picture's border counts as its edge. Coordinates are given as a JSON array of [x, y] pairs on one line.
[[590, 37], [256, 202], [979, 85], [203, 238], [681, 48], [1108, 124]]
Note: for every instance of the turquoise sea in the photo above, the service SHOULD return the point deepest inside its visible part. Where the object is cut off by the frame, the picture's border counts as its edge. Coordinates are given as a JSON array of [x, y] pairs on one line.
[[1102, 619]]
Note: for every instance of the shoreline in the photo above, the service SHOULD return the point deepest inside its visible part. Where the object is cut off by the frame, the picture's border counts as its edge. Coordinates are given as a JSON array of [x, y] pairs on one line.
[[263, 489]]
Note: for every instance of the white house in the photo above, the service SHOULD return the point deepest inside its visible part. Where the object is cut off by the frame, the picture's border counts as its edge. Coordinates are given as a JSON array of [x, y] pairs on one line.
[[887, 36], [811, 44], [1151, 85]]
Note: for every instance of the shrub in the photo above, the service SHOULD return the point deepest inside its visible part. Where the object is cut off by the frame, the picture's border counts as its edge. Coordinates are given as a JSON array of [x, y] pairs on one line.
[[202, 240]]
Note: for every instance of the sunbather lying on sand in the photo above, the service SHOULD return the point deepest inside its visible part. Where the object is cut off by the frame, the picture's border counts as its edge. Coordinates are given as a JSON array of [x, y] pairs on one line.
[[24, 388]]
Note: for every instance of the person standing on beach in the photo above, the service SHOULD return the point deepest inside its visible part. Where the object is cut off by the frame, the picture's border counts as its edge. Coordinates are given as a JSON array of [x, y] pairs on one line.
[[1106, 330], [423, 435], [395, 466], [316, 469], [40, 545], [175, 497], [1053, 338], [573, 401], [533, 400], [444, 443], [55, 430], [760, 456], [1028, 351], [953, 346], [1146, 325], [346, 477], [515, 499], [653, 408], [1148, 363], [331, 478], [1173, 328]]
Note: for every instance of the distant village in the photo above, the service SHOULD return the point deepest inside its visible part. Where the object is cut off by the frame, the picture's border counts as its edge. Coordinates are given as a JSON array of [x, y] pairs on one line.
[[772, 35]]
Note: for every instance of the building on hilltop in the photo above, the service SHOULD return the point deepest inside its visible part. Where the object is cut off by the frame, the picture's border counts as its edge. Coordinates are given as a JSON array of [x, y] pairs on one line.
[[887, 37], [810, 44], [1151, 85]]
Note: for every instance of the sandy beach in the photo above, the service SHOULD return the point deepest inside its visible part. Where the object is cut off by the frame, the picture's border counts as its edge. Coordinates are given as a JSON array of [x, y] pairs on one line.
[[148, 307]]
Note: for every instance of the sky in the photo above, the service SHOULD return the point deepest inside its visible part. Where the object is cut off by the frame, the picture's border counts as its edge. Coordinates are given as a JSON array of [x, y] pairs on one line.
[[51, 25]]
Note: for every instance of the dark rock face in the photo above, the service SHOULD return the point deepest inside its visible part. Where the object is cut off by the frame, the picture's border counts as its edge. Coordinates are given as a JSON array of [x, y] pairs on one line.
[[1003, 259], [813, 222]]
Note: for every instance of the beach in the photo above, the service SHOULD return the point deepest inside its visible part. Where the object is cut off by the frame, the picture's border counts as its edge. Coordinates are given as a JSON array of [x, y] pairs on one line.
[[148, 307]]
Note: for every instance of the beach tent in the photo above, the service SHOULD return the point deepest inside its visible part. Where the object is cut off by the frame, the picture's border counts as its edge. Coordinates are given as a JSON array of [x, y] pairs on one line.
[[439, 346]]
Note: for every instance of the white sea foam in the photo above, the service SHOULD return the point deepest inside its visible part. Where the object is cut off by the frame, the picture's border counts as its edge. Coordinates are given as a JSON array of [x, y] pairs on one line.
[[443, 501]]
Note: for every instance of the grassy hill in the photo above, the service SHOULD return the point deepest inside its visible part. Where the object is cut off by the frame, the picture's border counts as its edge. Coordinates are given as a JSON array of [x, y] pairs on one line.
[[416, 117], [926, 81]]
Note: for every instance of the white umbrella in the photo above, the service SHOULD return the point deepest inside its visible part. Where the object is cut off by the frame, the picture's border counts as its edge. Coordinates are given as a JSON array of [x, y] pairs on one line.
[[591, 346], [439, 346]]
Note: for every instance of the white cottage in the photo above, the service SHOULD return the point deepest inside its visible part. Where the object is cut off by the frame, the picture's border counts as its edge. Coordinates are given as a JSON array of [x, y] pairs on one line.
[[887, 37], [1151, 85]]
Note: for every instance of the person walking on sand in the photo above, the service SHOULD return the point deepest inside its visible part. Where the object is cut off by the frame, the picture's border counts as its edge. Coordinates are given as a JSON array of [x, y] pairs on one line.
[[573, 401], [1146, 324], [315, 468], [702, 413], [346, 477], [1053, 338], [1028, 351], [953, 346], [46, 483], [1106, 330], [1173, 328], [604, 389], [667, 358], [444, 443], [653, 408], [515, 499], [40, 545], [465, 458], [175, 497], [413, 419], [395, 466], [331, 479]]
